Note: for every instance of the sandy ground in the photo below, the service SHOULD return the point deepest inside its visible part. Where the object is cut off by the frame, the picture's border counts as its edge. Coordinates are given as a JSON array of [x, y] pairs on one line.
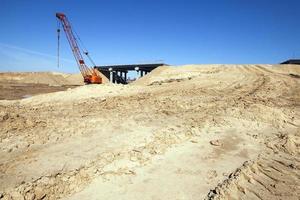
[[19, 85], [192, 132]]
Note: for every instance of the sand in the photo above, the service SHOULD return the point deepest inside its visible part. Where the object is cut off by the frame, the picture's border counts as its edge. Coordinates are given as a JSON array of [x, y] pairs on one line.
[[48, 78], [17, 85], [190, 132]]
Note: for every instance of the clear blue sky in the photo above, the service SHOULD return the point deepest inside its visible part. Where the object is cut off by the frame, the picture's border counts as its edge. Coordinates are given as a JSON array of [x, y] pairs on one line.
[[177, 32]]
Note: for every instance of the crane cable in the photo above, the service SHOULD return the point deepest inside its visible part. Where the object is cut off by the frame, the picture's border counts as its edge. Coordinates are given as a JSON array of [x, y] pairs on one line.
[[58, 41], [82, 46]]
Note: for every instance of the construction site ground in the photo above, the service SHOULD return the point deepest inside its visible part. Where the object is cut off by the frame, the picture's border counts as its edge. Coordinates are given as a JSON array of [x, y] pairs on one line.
[[190, 132], [12, 90]]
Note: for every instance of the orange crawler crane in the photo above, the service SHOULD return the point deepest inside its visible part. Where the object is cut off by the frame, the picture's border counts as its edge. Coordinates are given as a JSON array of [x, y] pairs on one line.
[[90, 75]]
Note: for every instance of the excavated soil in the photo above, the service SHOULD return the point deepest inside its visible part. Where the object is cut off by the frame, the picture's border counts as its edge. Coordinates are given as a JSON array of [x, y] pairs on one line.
[[191, 132], [19, 85]]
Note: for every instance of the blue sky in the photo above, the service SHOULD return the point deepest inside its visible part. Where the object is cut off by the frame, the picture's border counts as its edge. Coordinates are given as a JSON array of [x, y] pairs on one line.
[[123, 32]]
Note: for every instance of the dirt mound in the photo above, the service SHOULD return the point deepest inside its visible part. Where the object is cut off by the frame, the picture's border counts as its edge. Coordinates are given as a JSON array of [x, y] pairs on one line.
[[75, 79], [79, 93], [147, 78], [49, 78], [168, 74], [287, 69], [23, 85], [11, 76], [45, 78], [233, 127]]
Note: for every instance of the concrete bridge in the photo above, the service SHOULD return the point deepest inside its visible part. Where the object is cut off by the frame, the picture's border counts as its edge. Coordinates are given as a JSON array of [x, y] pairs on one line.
[[118, 73]]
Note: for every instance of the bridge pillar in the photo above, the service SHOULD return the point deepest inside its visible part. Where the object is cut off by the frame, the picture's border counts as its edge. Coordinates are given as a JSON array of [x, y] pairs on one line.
[[110, 74]]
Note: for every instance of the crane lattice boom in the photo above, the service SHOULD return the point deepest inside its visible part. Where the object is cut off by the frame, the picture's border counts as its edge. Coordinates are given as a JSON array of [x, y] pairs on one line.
[[89, 75]]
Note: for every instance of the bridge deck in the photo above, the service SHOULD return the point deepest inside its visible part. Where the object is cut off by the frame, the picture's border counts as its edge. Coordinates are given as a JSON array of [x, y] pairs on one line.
[[118, 73]]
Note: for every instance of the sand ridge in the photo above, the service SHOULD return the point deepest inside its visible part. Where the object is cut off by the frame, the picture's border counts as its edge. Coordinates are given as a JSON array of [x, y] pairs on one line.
[[191, 132], [48, 78]]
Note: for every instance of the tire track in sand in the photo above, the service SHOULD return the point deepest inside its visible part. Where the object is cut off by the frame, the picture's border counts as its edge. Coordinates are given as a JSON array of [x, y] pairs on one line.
[[274, 175]]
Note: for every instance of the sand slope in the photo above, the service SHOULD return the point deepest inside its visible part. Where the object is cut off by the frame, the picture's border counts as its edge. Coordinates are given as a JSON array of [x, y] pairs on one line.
[[48, 78], [191, 132]]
